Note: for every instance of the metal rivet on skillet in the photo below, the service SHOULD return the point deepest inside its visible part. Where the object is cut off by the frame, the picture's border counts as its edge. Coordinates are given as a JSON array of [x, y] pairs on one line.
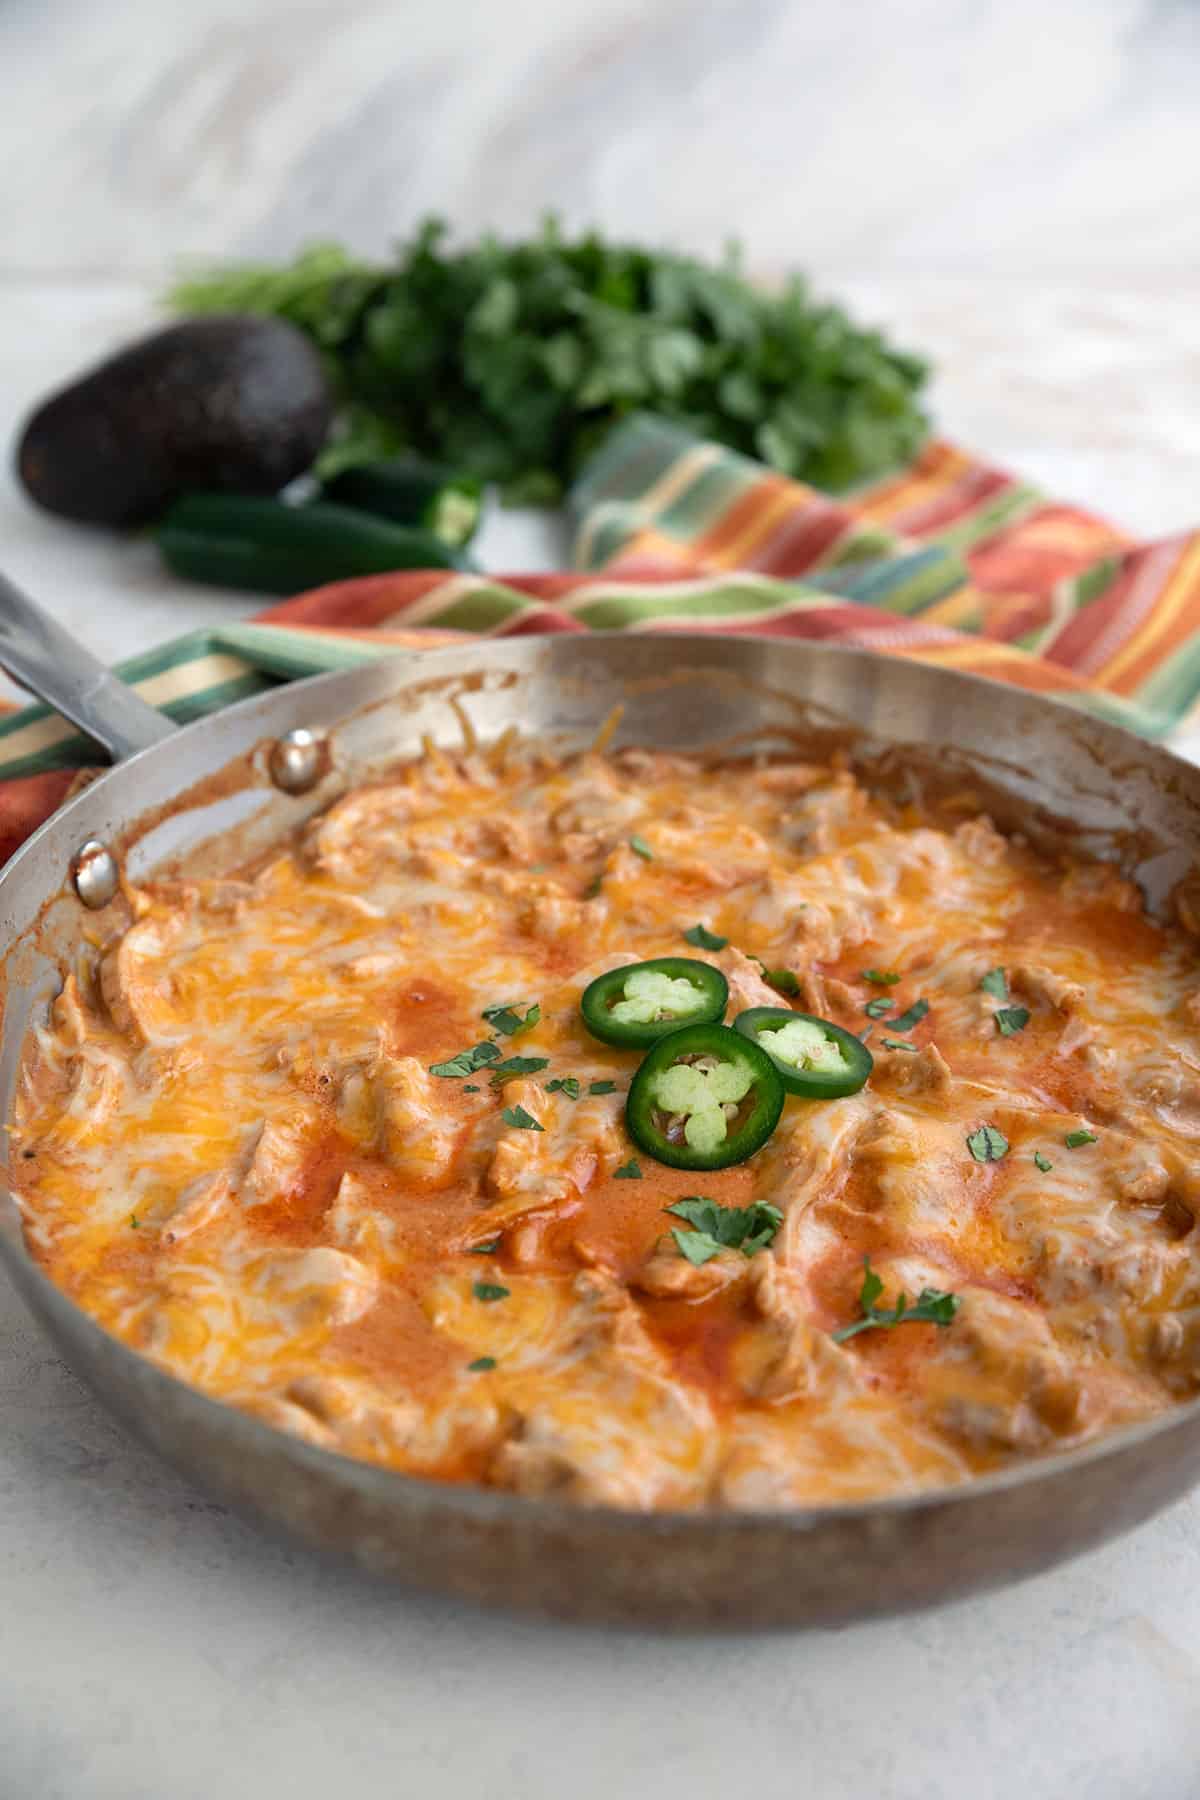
[[298, 761], [95, 874]]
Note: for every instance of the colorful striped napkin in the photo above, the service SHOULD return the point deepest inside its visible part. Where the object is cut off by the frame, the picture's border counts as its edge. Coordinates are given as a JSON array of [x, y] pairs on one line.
[[950, 561]]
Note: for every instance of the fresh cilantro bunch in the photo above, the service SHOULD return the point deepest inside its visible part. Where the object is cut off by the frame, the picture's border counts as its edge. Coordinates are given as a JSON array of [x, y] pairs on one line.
[[510, 362]]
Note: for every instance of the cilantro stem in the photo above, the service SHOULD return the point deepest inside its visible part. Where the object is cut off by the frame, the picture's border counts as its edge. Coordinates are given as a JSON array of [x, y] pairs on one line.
[[931, 1307]]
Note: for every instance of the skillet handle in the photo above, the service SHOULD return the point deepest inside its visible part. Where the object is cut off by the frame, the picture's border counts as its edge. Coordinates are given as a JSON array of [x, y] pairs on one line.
[[47, 660]]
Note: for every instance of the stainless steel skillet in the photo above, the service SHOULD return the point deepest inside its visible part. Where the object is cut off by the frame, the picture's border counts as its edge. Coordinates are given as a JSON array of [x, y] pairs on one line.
[[211, 792]]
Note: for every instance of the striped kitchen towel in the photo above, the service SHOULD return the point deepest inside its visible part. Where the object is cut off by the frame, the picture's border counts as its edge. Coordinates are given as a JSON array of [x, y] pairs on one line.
[[950, 561]]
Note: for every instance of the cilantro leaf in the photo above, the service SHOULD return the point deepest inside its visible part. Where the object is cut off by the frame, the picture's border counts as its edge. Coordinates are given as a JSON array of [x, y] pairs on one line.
[[697, 1246], [565, 1084], [488, 1249], [487, 1291], [1011, 1019], [704, 939], [1075, 1140], [932, 1306], [602, 1087], [906, 1020], [881, 977], [466, 1061], [871, 1289], [716, 1228], [782, 980], [630, 1171], [507, 1020], [519, 1119], [987, 1144], [698, 1211], [517, 1065], [1042, 1162], [878, 1009], [482, 1362], [899, 1044], [641, 848], [995, 983]]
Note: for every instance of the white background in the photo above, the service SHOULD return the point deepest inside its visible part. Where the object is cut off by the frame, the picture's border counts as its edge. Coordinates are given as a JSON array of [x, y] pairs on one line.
[[1014, 188]]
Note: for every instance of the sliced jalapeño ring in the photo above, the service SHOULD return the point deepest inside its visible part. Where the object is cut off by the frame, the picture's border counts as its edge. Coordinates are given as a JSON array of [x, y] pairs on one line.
[[816, 1059], [703, 1098], [639, 1003]]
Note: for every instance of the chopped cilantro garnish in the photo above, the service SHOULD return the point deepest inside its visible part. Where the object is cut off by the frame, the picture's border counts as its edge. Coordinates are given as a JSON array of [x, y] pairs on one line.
[[630, 1171], [471, 1087], [602, 1087], [518, 1065], [913, 1016], [987, 1144], [1042, 1162], [466, 1061], [592, 890], [488, 1249], [931, 1307], [704, 939], [507, 1019], [995, 983], [1011, 1019], [133, 1220], [641, 848], [565, 1084], [1075, 1140], [881, 977], [716, 1228], [482, 1362], [519, 1119], [878, 1009], [782, 980], [899, 1044], [488, 1291]]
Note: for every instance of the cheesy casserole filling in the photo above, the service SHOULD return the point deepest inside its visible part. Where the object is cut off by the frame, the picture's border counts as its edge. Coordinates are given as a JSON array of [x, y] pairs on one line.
[[331, 1140]]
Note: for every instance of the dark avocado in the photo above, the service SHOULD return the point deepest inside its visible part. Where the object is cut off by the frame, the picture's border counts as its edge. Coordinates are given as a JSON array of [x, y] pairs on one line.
[[230, 403]]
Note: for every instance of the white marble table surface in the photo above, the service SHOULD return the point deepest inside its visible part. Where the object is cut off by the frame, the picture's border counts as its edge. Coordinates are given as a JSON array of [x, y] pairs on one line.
[[1015, 189]]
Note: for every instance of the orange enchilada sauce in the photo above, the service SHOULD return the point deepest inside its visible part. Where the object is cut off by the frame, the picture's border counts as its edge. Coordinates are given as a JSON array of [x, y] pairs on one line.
[[235, 1153]]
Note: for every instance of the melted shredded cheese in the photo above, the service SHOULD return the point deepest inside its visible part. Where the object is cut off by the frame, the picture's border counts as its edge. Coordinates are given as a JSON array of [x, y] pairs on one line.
[[233, 1150]]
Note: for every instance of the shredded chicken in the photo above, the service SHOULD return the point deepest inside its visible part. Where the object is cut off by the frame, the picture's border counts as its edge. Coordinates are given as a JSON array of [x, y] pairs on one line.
[[136, 984], [336, 838], [980, 840], [669, 1276], [1045, 988], [790, 1357], [416, 1137], [925, 1072], [999, 1380], [230, 1142]]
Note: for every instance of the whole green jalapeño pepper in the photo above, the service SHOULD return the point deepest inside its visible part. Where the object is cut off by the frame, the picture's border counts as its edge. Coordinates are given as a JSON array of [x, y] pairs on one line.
[[639, 1003], [269, 547], [703, 1098], [815, 1059]]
